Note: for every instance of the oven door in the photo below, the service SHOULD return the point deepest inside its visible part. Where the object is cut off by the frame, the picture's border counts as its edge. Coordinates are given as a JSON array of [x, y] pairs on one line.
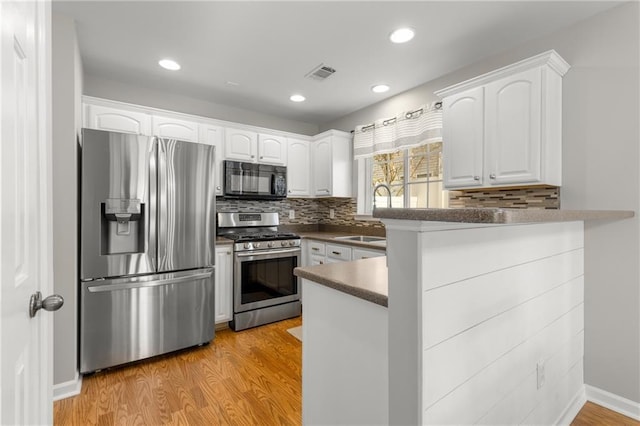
[[265, 278]]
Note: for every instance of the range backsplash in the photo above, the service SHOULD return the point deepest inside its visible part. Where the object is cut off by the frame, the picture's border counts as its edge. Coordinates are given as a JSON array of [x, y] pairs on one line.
[[308, 211], [531, 197]]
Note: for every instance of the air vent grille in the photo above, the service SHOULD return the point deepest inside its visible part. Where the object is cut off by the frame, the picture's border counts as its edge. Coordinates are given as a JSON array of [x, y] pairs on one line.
[[320, 73]]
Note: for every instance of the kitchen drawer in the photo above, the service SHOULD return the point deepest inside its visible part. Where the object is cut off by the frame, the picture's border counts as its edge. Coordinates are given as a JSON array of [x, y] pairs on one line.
[[317, 260], [338, 252], [366, 254], [316, 248]]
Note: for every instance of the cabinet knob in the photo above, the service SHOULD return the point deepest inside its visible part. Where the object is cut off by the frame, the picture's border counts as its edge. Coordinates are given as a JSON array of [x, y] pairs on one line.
[[476, 178], [218, 188], [492, 176], [261, 157], [253, 156], [289, 191]]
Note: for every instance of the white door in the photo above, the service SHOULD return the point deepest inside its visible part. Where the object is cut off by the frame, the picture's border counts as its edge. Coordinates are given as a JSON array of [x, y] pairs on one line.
[[322, 157], [25, 213], [463, 138], [240, 145], [272, 149], [298, 168], [514, 123]]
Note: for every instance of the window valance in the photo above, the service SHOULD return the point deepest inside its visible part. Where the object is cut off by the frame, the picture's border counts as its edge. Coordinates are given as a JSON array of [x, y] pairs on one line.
[[407, 129]]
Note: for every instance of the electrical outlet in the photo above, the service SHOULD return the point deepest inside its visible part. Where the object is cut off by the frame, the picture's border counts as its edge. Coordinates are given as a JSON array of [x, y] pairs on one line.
[[292, 214], [541, 373], [332, 214]]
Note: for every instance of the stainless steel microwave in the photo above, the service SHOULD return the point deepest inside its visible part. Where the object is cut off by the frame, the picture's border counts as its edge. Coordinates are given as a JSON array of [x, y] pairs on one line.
[[254, 181]]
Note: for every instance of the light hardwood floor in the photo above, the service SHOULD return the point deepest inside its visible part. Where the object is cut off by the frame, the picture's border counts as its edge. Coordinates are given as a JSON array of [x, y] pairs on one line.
[[252, 377]]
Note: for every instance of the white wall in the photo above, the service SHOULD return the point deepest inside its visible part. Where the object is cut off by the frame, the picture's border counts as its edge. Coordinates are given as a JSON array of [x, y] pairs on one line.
[[118, 91], [600, 171], [67, 90]]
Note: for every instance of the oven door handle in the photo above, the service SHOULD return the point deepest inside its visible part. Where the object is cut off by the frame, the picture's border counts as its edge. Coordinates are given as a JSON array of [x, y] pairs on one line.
[[267, 252]]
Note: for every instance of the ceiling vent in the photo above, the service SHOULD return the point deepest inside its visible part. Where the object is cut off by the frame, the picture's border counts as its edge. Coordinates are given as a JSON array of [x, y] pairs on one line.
[[320, 73]]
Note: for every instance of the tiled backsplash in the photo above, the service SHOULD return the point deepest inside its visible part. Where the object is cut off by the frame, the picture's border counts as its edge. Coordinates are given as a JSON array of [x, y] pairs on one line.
[[308, 211], [531, 197]]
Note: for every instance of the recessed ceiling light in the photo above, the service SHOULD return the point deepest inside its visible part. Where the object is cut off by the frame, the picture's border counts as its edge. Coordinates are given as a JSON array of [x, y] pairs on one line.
[[379, 88], [169, 64], [297, 98], [402, 35]]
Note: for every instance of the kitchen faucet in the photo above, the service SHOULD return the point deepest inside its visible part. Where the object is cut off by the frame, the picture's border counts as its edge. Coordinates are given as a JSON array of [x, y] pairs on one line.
[[375, 190]]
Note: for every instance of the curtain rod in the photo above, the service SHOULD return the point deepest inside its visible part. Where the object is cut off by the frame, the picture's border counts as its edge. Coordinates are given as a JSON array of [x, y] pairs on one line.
[[408, 115]]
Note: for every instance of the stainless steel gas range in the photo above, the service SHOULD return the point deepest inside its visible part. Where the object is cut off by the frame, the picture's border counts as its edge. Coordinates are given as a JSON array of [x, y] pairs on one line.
[[264, 287]]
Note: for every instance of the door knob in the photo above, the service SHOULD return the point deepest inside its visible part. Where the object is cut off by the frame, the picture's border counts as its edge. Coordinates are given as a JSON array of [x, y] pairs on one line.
[[51, 303]]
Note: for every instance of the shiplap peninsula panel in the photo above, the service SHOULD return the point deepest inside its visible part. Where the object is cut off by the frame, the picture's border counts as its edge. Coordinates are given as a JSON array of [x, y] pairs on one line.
[[500, 311]]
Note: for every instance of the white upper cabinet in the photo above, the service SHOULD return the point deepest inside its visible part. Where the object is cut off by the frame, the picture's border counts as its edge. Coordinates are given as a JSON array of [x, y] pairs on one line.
[[505, 127], [213, 135], [248, 146], [173, 128], [272, 149], [464, 136], [332, 160], [240, 145], [298, 170], [117, 120]]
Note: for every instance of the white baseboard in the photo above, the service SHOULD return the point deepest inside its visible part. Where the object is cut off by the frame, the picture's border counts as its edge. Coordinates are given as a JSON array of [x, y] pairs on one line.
[[572, 410], [67, 389], [613, 402]]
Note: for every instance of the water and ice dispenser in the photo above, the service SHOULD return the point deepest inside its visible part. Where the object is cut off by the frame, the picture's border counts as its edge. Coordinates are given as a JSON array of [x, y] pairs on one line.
[[122, 226]]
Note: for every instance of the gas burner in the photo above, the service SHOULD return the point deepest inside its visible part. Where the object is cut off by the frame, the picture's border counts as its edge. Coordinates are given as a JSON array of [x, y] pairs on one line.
[[261, 236]]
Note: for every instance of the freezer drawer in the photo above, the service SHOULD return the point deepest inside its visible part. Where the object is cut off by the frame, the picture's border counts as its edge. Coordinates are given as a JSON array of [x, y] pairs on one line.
[[128, 319]]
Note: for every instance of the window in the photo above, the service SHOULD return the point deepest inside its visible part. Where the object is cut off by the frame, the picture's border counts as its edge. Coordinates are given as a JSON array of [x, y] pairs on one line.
[[413, 175]]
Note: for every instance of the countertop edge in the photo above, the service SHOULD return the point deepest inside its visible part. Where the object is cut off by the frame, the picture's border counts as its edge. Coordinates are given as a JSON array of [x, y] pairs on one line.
[[318, 275], [500, 215]]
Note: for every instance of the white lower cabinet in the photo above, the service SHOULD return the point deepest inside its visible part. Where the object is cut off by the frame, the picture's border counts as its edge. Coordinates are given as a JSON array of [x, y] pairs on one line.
[[359, 253], [320, 253], [224, 283]]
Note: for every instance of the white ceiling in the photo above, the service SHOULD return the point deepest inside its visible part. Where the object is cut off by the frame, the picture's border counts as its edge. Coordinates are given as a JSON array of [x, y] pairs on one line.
[[268, 47]]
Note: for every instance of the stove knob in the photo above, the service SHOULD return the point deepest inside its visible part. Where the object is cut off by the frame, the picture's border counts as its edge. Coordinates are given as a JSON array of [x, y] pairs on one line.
[[285, 243], [247, 245], [270, 244], [256, 245]]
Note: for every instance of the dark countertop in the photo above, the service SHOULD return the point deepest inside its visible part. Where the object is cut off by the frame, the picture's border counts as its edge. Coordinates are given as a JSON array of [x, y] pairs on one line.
[[329, 237], [223, 241], [500, 215], [366, 279]]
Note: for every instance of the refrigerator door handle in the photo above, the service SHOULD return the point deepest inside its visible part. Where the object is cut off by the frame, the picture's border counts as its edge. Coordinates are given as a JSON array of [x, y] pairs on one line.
[[153, 199], [162, 205], [118, 285]]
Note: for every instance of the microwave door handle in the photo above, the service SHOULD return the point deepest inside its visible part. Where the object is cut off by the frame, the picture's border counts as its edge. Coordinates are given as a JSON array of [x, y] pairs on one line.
[[273, 184]]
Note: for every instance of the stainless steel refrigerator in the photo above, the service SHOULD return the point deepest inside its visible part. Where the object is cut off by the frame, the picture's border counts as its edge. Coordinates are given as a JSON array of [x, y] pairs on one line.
[[147, 247]]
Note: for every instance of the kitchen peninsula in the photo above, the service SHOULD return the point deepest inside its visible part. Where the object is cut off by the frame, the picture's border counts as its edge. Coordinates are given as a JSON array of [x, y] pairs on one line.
[[485, 311]]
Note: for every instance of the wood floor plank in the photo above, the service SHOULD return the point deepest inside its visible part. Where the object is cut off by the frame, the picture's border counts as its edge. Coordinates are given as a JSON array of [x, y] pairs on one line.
[[246, 378]]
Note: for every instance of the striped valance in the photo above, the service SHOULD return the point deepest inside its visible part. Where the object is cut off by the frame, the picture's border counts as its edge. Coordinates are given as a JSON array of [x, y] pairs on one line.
[[407, 129]]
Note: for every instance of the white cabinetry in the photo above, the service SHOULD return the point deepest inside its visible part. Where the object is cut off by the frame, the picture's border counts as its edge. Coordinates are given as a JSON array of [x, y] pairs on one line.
[[248, 146], [117, 120], [212, 135], [272, 149], [505, 127], [298, 169], [224, 284], [332, 164], [174, 128], [240, 145], [319, 253]]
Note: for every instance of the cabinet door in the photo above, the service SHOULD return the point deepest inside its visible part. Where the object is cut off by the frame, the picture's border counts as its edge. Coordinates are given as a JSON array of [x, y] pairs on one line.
[[223, 284], [212, 135], [117, 120], [366, 254], [298, 169], [272, 149], [240, 145], [323, 169], [513, 119], [463, 138], [171, 128]]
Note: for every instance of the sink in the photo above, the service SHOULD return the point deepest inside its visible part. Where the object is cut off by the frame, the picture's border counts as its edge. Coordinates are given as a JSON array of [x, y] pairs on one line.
[[363, 239]]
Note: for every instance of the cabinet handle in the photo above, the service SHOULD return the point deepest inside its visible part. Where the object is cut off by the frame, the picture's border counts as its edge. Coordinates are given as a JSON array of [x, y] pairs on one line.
[[289, 191], [336, 252], [315, 248], [261, 157], [476, 178], [321, 262], [492, 176], [253, 156]]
